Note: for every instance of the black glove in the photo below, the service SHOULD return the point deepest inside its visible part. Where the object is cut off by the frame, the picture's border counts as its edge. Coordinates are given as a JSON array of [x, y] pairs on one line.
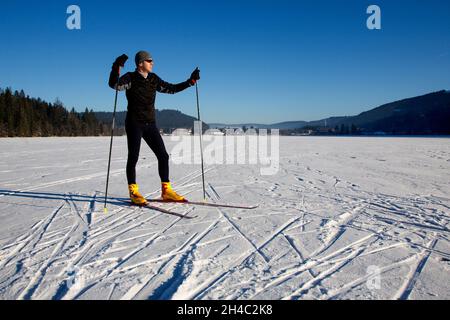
[[195, 76], [120, 61]]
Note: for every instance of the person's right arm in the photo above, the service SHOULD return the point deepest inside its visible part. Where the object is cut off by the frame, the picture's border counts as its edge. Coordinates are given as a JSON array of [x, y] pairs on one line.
[[115, 81]]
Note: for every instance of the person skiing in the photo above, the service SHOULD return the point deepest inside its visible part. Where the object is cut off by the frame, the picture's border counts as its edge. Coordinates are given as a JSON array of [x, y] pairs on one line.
[[141, 87]]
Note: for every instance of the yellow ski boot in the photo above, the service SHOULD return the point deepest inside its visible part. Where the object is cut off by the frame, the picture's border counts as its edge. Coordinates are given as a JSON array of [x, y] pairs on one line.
[[168, 194], [135, 196]]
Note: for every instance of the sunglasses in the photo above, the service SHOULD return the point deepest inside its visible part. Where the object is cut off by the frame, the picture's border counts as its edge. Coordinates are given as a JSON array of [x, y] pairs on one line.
[[149, 61]]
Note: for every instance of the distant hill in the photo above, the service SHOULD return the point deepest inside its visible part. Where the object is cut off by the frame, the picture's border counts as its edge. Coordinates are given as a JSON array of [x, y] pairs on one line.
[[328, 122], [426, 114], [239, 125], [280, 125], [165, 119], [23, 116]]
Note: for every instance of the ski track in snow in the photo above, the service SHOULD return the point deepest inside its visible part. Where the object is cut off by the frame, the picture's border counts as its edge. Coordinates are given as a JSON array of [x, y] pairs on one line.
[[317, 229]]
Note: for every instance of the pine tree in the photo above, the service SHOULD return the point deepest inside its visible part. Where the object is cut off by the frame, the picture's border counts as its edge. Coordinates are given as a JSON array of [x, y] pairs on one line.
[[23, 116], [3, 130], [10, 119]]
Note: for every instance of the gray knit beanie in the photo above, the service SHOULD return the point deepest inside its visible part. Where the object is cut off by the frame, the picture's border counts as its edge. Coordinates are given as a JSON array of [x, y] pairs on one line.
[[142, 56]]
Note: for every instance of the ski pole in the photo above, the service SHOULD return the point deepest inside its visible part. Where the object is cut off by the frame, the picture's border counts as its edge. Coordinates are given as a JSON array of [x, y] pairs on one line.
[[201, 147], [105, 210]]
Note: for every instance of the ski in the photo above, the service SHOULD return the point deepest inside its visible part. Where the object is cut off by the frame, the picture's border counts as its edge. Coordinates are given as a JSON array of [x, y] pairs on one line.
[[173, 213], [208, 204], [166, 211]]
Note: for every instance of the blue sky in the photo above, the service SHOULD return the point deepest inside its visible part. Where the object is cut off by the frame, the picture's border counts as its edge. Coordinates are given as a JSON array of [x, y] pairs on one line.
[[261, 61]]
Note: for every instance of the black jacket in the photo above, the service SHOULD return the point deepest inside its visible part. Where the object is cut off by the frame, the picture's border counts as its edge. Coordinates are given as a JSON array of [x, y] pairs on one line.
[[141, 92]]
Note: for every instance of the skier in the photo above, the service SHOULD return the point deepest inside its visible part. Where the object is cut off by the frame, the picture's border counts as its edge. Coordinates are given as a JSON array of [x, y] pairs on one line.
[[141, 86]]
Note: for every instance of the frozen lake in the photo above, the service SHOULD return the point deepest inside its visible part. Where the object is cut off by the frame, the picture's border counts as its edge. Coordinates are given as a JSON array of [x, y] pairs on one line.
[[343, 218]]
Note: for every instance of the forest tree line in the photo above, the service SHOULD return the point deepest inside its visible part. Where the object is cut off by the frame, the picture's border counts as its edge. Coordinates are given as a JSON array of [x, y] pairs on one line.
[[22, 116]]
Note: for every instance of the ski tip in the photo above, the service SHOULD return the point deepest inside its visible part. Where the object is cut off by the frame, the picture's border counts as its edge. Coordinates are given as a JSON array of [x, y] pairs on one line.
[[105, 210]]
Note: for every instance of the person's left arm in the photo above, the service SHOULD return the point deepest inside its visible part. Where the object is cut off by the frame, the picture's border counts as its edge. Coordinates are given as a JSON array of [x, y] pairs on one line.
[[166, 87]]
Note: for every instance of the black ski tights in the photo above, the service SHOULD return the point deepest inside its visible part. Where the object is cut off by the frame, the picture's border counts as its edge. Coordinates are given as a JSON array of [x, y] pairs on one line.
[[150, 133]]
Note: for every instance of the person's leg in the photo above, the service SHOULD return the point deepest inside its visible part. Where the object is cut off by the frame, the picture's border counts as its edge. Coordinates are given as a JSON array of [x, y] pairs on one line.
[[154, 140], [134, 135]]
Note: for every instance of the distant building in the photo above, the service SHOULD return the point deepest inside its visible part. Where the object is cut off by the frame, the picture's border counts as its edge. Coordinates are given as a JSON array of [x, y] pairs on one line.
[[306, 133], [322, 130], [215, 132], [182, 132]]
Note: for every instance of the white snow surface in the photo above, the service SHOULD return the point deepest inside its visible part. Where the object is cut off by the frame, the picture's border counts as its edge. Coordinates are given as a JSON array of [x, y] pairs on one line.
[[344, 218]]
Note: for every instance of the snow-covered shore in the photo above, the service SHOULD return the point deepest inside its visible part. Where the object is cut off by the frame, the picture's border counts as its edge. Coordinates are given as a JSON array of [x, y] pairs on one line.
[[344, 218]]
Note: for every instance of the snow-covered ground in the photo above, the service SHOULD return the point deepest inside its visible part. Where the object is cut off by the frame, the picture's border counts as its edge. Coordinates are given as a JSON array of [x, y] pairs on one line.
[[344, 218]]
